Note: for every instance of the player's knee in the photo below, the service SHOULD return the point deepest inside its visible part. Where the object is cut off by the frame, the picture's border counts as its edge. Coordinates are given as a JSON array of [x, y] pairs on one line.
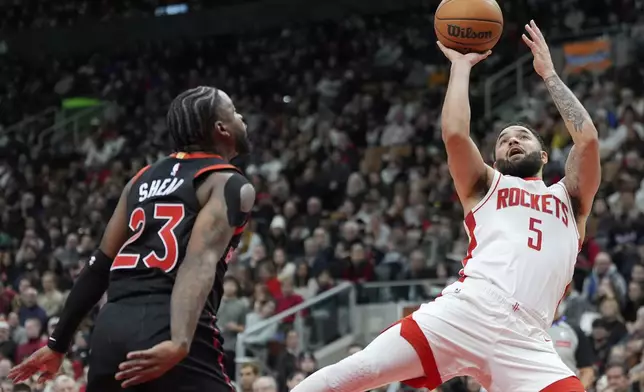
[[351, 373]]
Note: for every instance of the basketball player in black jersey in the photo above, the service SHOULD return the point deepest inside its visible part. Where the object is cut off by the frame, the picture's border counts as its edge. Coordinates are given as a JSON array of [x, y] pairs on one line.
[[162, 261]]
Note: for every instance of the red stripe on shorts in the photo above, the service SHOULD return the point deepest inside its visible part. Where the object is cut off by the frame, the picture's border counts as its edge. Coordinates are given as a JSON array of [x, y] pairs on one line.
[[411, 332]]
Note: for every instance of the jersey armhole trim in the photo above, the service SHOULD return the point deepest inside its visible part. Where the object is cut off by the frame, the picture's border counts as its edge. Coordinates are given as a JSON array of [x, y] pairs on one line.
[[140, 173], [217, 167], [495, 183], [572, 213]]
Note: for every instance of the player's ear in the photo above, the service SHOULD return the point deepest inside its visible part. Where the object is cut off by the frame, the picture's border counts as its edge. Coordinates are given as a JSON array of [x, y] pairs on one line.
[[221, 129], [544, 157]]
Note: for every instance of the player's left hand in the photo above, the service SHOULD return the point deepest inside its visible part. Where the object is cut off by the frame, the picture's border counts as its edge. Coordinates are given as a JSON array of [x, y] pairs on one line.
[[146, 365], [44, 361], [542, 60]]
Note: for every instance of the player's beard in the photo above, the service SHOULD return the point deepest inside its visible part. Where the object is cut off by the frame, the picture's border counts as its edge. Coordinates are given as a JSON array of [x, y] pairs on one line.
[[529, 166]]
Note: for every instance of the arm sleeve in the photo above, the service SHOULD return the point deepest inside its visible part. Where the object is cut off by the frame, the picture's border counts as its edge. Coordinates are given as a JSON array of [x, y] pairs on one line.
[[87, 291], [584, 354]]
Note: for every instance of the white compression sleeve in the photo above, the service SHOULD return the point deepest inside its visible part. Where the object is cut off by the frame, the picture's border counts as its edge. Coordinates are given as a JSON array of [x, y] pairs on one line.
[[389, 358]]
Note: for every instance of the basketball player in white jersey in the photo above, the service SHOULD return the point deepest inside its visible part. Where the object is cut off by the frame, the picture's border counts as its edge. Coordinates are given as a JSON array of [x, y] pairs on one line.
[[524, 239]]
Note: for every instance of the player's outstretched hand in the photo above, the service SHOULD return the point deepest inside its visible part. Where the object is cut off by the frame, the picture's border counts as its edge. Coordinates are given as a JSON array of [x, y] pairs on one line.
[[537, 43], [144, 366], [470, 58], [44, 361]]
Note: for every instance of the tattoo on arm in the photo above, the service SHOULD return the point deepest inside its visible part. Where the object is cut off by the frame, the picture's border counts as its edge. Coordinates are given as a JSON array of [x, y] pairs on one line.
[[210, 239], [197, 273], [569, 106]]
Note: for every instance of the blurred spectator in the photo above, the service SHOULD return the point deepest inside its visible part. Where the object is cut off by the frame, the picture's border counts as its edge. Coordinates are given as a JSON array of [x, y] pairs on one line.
[[64, 383], [248, 374], [231, 317], [50, 300], [29, 308], [304, 284], [257, 340], [7, 345], [265, 384], [307, 363], [287, 360], [604, 281], [34, 340], [574, 348], [294, 379], [18, 332], [616, 379], [288, 299]]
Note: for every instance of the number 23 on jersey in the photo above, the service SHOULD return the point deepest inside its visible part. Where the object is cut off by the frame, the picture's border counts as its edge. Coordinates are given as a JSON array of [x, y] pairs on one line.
[[172, 214]]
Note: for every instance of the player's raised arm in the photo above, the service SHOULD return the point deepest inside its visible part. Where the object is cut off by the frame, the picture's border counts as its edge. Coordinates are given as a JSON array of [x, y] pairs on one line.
[[583, 168], [472, 177]]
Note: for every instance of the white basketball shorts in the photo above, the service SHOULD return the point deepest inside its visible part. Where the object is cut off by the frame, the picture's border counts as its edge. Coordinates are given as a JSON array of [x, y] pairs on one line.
[[474, 329]]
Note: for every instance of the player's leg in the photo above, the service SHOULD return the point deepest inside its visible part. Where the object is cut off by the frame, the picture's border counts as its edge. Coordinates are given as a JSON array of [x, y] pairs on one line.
[[441, 340], [387, 359]]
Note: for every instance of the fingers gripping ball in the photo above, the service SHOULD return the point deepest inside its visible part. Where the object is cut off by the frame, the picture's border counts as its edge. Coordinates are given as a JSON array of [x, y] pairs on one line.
[[468, 25]]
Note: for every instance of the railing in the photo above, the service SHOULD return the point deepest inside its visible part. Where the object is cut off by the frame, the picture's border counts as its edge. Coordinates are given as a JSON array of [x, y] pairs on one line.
[[29, 127], [342, 288], [70, 127], [382, 291], [508, 83]]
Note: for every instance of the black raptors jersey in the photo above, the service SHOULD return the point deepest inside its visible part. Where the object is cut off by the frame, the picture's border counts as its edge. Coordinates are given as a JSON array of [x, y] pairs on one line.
[[162, 208]]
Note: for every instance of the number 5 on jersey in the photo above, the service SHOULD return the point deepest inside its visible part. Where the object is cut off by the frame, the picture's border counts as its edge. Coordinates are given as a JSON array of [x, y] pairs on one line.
[[173, 214], [534, 241]]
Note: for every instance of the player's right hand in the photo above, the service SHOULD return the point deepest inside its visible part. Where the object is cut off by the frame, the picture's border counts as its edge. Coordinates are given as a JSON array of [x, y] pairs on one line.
[[146, 365], [44, 361], [470, 58]]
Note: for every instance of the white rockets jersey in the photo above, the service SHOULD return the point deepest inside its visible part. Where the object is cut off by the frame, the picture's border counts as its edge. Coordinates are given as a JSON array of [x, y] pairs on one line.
[[524, 239]]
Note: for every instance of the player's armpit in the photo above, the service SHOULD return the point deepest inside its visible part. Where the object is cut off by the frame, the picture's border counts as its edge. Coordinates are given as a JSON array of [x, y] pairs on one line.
[[116, 232], [211, 235], [583, 174]]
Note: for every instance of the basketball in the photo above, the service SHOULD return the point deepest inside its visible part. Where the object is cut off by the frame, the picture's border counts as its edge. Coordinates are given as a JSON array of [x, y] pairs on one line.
[[468, 25]]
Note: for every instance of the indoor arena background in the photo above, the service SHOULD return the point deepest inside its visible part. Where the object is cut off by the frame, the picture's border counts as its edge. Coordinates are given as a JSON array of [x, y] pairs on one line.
[[356, 221]]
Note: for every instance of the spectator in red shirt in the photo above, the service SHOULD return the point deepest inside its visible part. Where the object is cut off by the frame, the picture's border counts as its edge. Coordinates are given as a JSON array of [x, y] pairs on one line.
[[288, 299], [360, 268], [6, 298], [268, 275], [34, 341]]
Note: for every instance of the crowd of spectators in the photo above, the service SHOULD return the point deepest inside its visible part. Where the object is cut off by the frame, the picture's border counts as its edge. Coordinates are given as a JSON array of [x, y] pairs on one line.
[[350, 173]]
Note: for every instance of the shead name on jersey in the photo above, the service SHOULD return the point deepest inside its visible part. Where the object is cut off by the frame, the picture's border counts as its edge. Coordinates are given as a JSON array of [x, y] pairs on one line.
[[162, 187], [548, 203]]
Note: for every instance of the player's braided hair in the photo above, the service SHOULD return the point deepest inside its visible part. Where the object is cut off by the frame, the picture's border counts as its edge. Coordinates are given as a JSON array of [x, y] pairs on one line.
[[529, 128], [192, 117]]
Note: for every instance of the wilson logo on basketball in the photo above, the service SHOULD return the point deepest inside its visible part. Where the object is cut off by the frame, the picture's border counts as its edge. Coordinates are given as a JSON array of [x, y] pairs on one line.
[[469, 33]]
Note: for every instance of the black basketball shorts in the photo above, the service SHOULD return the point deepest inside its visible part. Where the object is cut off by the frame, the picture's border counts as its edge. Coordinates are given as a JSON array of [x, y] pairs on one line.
[[122, 328]]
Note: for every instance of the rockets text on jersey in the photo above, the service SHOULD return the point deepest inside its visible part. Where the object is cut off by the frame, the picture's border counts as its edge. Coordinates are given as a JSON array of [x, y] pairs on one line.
[[524, 239]]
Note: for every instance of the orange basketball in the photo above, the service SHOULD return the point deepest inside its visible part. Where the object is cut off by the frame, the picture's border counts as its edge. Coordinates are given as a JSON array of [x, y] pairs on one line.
[[468, 25]]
